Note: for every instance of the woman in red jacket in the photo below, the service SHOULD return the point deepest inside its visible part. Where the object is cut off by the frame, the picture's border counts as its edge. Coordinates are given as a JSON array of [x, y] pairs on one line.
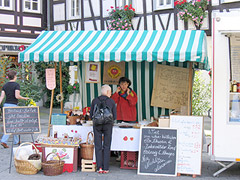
[[126, 100]]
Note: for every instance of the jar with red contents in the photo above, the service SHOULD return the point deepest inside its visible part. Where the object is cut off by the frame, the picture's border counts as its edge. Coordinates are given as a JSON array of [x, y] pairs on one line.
[[238, 87]]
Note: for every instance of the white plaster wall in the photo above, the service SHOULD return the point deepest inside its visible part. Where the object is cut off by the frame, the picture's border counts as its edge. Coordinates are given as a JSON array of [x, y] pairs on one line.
[[96, 8], [31, 21], [58, 12], [138, 5], [60, 27], [74, 26], [6, 19], [107, 5]]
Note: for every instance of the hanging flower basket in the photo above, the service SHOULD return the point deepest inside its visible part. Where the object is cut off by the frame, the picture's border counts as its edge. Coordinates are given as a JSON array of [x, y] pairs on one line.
[[121, 18]]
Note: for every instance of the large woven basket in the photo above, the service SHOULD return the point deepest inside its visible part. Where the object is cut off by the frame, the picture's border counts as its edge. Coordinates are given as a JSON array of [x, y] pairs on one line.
[[24, 166], [53, 167], [87, 148]]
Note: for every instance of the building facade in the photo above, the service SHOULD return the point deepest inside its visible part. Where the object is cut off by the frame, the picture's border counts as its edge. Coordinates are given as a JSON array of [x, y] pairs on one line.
[[21, 21]]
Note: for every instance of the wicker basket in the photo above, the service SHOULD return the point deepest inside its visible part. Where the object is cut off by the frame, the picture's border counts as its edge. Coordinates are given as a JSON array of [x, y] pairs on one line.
[[87, 148], [53, 167], [24, 166]]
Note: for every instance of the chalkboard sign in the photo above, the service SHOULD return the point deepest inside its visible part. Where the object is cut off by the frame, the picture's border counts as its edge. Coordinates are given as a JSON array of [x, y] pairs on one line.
[[21, 120], [190, 131], [157, 151]]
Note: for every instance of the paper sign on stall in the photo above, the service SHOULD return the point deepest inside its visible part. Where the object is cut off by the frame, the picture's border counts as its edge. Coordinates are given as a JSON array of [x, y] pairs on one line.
[[190, 131], [50, 78], [113, 71], [170, 88], [235, 56], [92, 72]]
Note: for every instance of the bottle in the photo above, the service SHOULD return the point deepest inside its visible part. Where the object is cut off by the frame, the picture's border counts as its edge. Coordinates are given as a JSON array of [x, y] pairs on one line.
[[230, 86], [234, 86]]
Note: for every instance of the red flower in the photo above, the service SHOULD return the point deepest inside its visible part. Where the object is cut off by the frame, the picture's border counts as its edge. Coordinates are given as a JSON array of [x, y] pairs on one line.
[[114, 10], [125, 9], [133, 9], [111, 7], [125, 6]]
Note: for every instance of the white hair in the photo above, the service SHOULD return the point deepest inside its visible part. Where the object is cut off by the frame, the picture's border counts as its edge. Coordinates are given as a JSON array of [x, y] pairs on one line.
[[104, 89]]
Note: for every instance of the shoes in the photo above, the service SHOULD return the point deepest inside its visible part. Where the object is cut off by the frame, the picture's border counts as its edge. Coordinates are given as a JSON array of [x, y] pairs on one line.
[[4, 145], [100, 171], [18, 143], [105, 171]]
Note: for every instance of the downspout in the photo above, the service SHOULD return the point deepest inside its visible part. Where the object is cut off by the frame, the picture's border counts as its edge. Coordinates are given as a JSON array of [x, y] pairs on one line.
[[48, 14]]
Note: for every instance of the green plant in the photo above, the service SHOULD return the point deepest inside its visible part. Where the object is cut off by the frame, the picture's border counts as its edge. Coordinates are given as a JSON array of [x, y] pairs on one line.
[[29, 86], [201, 98], [194, 10], [73, 88], [121, 18], [40, 68]]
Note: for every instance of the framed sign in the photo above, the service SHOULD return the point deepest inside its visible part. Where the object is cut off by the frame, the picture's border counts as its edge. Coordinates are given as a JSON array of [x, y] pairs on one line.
[[50, 78], [93, 72], [157, 151], [113, 71]]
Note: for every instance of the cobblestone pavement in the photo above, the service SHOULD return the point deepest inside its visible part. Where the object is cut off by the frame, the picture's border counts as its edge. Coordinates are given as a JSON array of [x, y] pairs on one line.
[[209, 167]]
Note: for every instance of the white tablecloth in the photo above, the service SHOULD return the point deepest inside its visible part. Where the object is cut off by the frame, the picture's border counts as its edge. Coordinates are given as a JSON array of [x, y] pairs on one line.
[[123, 139]]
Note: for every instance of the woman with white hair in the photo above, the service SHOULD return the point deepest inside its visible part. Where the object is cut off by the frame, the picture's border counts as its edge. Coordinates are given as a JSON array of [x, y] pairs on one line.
[[102, 151]]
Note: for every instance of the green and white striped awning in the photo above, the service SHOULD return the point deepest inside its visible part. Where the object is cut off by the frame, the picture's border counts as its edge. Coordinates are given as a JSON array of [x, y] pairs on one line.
[[167, 45]]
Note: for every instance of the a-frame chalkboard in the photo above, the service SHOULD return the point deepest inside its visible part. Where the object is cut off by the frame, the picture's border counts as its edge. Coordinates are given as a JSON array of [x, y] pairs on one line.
[[21, 120], [157, 151]]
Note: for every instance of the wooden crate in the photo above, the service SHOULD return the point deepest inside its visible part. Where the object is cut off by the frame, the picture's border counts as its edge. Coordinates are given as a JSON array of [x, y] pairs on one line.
[[88, 166]]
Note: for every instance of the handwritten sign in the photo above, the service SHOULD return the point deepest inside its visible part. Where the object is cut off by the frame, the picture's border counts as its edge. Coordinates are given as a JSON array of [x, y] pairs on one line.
[[50, 78], [235, 56], [190, 131], [113, 71], [170, 88], [21, 120], [158, 151]]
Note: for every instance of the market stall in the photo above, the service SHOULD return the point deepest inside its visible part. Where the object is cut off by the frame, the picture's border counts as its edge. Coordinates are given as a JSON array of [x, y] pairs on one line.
[[144, 53]]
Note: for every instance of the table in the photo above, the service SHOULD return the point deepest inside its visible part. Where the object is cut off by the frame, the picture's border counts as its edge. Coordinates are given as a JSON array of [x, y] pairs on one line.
[[123, 139]]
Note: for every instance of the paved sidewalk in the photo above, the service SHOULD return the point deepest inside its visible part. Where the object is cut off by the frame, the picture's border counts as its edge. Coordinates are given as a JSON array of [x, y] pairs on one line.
[[208, 167]]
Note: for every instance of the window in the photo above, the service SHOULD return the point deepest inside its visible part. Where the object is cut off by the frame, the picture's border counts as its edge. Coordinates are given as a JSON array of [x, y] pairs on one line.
[[6, 4], [74, 9], [124, 2], [229, 1], [31, 6], [163, 4]]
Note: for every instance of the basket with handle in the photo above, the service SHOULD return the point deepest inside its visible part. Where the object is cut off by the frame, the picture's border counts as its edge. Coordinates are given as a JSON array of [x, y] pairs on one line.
[[87, 148], [53, 167], [24, 166]]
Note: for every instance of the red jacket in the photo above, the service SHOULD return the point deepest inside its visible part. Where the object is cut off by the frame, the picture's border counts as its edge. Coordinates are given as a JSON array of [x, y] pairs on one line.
[[126, 108]]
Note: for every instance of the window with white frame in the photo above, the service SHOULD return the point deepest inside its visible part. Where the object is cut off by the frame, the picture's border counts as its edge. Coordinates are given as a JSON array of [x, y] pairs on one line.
[[32, 6], [122, 3], [6, 4], [229, 1], [73, 9], [163, 4]]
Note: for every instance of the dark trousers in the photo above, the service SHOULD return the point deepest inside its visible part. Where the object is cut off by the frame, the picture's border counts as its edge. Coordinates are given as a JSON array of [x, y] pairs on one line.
[[102, 151]]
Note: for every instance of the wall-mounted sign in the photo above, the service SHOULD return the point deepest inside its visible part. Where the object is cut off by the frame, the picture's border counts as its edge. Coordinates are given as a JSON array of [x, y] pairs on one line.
[[12, 47], [113, 71], [93, 72]]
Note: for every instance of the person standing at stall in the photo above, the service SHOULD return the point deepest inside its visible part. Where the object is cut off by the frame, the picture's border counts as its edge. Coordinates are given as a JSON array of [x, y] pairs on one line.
[[103, 128], [12, 92], [126, 100]]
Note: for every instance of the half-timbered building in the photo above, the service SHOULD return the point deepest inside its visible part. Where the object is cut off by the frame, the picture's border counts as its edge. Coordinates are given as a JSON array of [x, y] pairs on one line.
[[21, 21]]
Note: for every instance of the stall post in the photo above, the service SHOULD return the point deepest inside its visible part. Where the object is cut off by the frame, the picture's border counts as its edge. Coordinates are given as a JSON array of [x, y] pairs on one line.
[[61, 92], [51, 105], [190, 89]]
